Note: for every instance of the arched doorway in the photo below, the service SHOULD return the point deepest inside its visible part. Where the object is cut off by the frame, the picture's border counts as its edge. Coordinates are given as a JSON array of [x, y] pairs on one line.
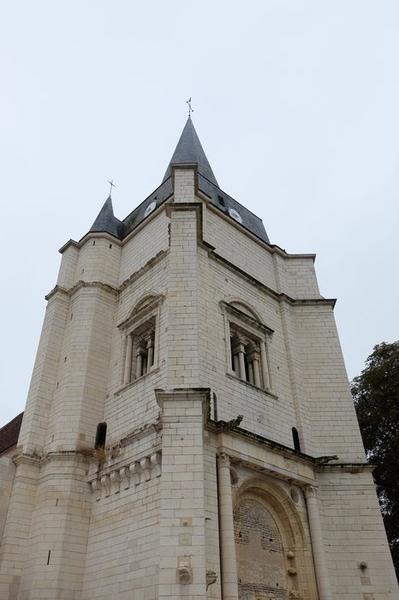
[[272, 543], [261, 562]]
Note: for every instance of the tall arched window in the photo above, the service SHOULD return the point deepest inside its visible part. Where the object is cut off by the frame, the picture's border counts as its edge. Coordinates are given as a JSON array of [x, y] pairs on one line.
[[141, 339], [247, 340]]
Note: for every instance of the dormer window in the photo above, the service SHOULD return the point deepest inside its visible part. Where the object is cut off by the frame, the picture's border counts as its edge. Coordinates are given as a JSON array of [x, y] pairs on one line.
[[234, 214], [221, 201], [150, 208]]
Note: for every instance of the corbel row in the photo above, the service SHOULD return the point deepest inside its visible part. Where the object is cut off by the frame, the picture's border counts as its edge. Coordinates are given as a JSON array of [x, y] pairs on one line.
[[126, 477]]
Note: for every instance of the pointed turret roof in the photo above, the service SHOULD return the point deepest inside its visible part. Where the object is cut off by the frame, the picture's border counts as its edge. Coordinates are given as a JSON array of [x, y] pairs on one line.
[[106, 220], [189, 151]]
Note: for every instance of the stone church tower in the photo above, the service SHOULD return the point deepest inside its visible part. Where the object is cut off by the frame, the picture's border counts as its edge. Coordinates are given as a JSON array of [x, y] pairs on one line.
[[189, 430]]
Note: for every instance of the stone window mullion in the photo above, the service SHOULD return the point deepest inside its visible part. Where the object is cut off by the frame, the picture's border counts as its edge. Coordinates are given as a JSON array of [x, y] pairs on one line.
[[128, 360], [264, 364], [256, 369], [139, 361], [241, 361], [150, 351]]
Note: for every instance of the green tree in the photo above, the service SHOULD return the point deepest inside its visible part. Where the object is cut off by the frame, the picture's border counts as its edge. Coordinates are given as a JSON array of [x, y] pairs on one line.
[[376, 396]]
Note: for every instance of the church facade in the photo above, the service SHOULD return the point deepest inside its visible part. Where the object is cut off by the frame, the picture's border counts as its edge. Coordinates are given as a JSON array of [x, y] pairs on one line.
[[189, 430]]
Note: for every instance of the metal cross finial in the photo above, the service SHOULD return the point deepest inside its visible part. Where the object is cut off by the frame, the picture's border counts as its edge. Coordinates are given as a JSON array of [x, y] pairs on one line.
[[190, 108], [111, 184]]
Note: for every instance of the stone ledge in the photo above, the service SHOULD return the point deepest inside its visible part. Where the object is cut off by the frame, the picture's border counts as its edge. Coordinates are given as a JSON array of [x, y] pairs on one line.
[[127, 386], [251, 385]]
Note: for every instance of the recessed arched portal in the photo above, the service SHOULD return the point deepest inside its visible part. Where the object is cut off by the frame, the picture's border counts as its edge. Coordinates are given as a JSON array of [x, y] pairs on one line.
[[261, 566], [272, 543]]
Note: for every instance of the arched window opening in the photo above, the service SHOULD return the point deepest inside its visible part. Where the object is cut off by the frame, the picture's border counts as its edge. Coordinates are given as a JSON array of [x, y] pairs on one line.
[[295, 439], [141, 334], [140, 351], [247, 340], [101, 435], [245, 357]]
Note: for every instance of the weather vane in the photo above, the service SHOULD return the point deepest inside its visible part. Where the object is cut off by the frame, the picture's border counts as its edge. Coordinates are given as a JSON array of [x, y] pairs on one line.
[[111, 185], [190, 108]]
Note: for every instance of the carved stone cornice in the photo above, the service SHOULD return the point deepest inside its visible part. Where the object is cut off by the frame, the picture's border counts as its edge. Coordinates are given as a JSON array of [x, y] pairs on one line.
[[82, 284], [26, 459], [202, 394], [346, 467], [271, 248], [148, 265], [93, 284], [279, 296], [57, 290], [140, 432]]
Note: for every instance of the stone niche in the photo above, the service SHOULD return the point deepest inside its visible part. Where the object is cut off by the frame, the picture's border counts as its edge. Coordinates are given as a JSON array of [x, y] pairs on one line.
[[262, 572]]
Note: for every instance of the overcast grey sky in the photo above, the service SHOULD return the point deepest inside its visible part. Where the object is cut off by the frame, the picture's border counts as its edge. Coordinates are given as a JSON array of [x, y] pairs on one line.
[[296, 104]]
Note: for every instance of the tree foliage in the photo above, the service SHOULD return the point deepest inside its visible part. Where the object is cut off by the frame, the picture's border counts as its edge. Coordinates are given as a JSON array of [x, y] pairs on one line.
[[376, 396]]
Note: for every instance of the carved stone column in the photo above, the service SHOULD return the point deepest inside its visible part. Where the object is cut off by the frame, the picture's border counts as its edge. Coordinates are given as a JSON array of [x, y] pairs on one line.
[[264, 366], [256, 370], [319, 557], [128, 362], [139, 363], [150, 352], [226, 524], [241, 354], [254, 361], [236, 364]]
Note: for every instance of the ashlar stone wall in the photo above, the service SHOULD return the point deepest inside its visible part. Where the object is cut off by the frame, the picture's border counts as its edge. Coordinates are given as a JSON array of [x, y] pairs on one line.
[[150, 516]]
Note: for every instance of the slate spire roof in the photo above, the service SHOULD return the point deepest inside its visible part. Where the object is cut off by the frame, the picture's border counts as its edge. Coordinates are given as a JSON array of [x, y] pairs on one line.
[[106, 220], [189, 151]]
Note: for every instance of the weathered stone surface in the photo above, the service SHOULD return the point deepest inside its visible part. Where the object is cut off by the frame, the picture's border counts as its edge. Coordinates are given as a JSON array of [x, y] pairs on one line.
[[198, 492]]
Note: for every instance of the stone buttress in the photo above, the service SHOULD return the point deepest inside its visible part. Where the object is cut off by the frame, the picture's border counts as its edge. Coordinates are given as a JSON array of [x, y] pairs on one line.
[[189, 430]]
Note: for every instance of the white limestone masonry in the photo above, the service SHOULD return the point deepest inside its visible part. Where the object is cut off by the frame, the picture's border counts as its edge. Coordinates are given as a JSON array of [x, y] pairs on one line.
[[198, 491]]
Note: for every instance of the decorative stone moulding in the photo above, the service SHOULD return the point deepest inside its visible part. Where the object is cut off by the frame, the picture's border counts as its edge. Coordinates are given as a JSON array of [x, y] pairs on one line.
[[126, 477]]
